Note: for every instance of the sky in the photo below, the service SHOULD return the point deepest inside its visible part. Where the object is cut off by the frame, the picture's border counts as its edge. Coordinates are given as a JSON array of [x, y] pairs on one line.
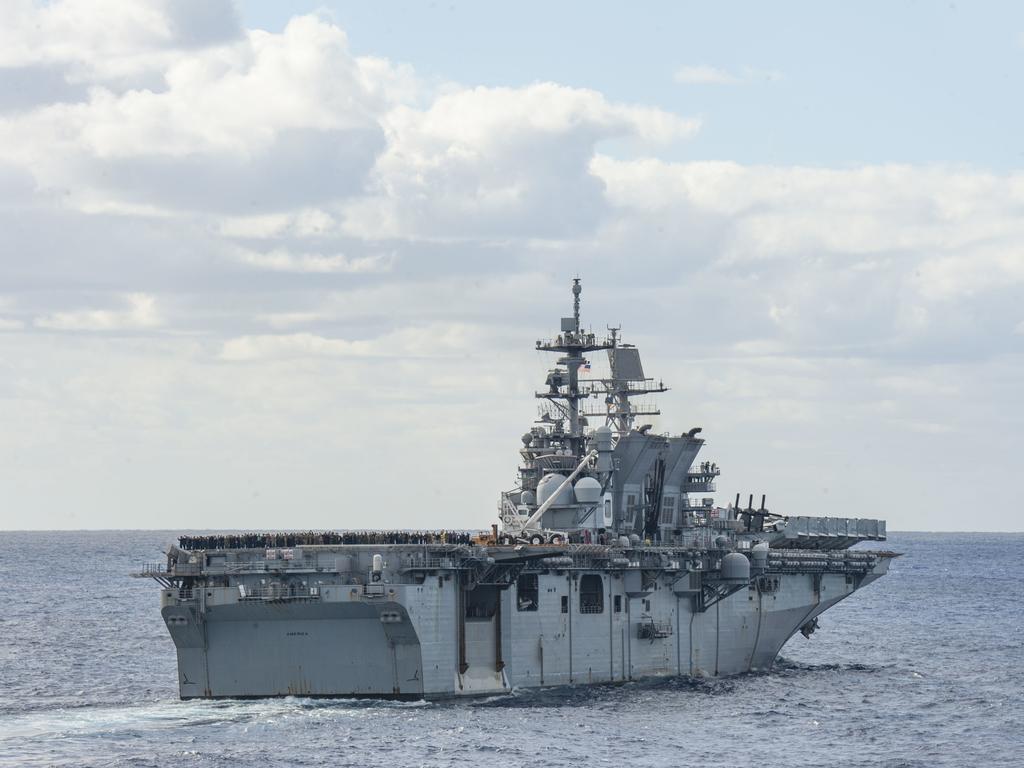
[[283, 265]]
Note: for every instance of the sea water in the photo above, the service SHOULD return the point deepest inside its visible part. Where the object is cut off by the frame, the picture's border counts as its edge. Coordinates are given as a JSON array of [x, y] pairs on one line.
[[925, 667]]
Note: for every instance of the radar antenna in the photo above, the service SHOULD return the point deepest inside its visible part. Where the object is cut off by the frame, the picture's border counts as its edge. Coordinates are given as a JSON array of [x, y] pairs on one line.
[[626, 380], [577, 289]]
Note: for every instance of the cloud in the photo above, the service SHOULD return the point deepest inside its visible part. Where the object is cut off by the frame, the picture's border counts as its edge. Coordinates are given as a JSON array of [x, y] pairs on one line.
[[291, 345], [22, 88], [263, 125], [965, 275], [870, 212], [500, 162], [141, 314], [252, 231], [862, 261], [306, 222], [282, 320], [292, 125], [109, 40], [410, 342], [702, 74], [281, 260], [265, 121]]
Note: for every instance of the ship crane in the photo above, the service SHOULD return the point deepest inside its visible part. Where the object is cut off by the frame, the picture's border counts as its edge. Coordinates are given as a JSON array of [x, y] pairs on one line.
[[528, 529]]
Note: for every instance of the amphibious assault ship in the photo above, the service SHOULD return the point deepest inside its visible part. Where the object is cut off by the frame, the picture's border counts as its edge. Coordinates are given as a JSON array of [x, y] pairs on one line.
[[610, 562]]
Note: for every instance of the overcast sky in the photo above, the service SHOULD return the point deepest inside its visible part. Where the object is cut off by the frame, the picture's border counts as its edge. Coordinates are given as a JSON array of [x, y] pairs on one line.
[[272, 264]]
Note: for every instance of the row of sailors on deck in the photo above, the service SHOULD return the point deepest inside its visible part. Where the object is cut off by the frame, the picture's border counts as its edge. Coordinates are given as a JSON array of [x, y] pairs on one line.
[[268, 540]]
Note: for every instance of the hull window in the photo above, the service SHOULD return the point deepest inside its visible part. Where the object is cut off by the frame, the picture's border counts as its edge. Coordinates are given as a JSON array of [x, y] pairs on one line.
[[527, 592], [591, 594]]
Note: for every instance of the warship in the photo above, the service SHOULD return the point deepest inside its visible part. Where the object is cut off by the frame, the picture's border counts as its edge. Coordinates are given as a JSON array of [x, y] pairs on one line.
[[610, 561]]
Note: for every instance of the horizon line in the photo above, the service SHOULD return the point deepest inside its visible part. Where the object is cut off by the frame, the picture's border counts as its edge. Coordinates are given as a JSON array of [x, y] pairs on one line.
[[316, 530]]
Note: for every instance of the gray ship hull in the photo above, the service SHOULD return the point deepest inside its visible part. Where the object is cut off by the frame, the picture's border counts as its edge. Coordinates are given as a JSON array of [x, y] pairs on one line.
[[420, 640], [609, 564]]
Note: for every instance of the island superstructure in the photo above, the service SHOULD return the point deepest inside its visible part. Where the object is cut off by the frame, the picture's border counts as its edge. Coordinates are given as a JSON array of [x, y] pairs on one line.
[[611, 561]]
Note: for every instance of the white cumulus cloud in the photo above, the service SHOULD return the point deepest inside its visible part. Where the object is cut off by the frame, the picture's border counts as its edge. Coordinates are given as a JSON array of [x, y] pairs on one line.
[[112, 41], [501, 162], [141, 313], [241, 243]]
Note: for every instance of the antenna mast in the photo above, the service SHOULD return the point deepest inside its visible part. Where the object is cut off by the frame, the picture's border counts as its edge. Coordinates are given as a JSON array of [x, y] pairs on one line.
[[626, 380], [563, 381], [577, 289]]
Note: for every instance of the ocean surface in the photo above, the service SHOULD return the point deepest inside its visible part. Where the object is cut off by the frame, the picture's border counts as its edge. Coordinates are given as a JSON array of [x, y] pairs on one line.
[[923, 668]]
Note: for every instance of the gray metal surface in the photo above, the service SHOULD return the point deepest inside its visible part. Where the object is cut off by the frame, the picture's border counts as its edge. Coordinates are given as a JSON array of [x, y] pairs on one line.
[[637, 575]]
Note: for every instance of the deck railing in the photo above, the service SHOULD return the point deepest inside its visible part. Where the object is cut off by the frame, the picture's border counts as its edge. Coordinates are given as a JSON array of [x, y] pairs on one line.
[[277, 592]]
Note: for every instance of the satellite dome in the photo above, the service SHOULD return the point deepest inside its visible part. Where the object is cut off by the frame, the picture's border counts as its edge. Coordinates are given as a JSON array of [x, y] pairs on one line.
[[588, 490], [735, 567], [548, 485]]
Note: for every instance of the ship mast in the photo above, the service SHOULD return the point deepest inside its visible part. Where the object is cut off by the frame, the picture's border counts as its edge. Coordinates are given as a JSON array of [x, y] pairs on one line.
[[626, 380], [564, 385]]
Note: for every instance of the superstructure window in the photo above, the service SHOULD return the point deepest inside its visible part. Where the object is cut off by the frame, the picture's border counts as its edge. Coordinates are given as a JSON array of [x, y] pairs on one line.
[[630, 506], [668, 510], [527, 592], [565, 603], [618, 603], [591, 594]]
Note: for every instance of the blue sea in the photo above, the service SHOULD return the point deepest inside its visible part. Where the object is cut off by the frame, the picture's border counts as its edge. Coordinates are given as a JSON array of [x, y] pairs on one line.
[[923, 668]]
